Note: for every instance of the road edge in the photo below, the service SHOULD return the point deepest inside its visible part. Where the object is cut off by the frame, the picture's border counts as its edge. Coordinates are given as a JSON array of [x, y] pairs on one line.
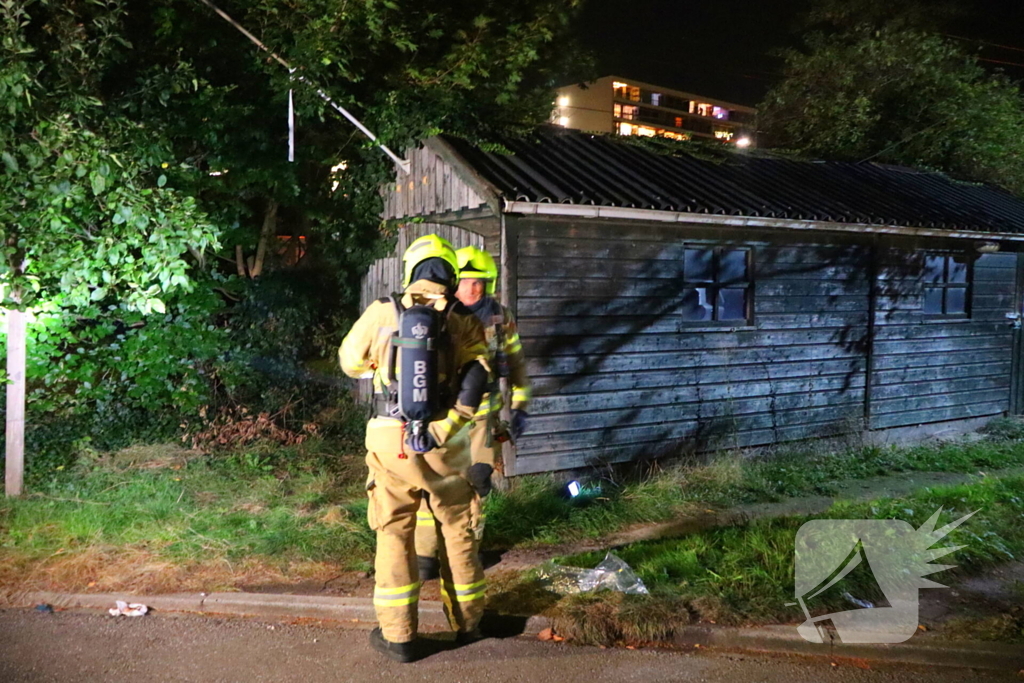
[[923, 648]]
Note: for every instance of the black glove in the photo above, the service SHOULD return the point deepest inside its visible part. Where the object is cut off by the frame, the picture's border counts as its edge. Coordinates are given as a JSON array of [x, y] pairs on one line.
[[479, 476], [473, 384], [421, 443], [518, 423]]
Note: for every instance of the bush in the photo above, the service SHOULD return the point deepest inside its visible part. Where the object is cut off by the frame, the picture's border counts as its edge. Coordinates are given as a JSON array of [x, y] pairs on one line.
[[105, 378]]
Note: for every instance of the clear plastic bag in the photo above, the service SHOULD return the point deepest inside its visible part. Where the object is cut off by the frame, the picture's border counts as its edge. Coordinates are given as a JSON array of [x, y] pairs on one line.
[[611, 574]]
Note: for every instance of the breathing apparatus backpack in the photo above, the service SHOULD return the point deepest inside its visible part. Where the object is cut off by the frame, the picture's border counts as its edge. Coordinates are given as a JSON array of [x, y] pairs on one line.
[[414, 364]]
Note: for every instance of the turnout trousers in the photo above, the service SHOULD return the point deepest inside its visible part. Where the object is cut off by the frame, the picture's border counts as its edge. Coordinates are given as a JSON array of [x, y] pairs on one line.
[[397, 488], [482, 449]]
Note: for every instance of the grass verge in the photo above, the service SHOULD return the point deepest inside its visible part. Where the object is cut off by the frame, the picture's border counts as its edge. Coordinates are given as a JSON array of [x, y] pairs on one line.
[[534, 512], [159, 518], [745, 574]]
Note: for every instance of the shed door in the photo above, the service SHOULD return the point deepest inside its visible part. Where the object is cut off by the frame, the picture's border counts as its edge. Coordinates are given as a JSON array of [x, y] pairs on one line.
[[1017, 362]]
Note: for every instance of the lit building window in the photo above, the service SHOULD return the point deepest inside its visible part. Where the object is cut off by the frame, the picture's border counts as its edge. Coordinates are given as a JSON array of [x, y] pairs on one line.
[[656, 99], [624, 91], [646, 131], [720, 113], [626, 111], [679, 122], [701, 108], [723, 134]]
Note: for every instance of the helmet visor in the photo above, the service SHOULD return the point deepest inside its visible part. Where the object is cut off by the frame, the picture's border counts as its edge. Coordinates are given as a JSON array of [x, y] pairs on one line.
[[435, 270]]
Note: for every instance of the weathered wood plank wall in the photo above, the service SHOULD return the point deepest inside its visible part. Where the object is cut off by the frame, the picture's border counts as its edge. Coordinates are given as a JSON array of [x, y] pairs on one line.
[[619, 376], [928, 370], [431, 187]]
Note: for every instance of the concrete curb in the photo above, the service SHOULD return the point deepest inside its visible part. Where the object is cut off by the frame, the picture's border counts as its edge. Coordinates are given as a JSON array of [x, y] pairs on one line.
[[356, 611], [923, 648]]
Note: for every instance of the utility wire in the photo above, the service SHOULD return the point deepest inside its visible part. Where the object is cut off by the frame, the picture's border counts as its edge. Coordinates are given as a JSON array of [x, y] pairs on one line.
[[403, 164], [985, 42], [900, 142], [999, 61]]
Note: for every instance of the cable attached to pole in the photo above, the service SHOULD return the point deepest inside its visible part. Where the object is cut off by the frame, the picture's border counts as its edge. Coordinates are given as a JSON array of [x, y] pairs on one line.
[[291, 127], [403, 164]]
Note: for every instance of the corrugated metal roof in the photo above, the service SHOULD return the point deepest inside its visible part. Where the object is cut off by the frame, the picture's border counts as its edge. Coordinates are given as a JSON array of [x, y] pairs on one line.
[[570, 167]]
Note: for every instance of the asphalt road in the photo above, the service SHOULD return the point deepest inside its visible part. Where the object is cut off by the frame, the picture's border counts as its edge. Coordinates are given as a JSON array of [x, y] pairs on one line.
[[73, 646]]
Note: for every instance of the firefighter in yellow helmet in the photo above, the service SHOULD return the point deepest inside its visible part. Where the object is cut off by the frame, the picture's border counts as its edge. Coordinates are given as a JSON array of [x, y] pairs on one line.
[[425, 459], [478, 276]]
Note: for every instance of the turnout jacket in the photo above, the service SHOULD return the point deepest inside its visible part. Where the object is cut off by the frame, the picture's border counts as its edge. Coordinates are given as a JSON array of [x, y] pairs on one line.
[[366, 348], [491, 314]]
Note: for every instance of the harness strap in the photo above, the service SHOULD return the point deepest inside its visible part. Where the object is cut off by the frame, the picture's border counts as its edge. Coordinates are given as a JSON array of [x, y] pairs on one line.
[[389, 390]]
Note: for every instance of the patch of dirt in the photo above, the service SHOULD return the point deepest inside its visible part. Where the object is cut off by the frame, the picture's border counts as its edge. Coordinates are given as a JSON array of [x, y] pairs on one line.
[[140, 570], [151, 456], [995, 594], [518, 559]]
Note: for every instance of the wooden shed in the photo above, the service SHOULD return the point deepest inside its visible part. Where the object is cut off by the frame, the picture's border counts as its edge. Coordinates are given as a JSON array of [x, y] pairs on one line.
[[671, 303]]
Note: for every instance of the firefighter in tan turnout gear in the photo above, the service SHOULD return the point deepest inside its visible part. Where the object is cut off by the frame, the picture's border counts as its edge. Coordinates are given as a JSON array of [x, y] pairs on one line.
[[427, 355], [478, 275]]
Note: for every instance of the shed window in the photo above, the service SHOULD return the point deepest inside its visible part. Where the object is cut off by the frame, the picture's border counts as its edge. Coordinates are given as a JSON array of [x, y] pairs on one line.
[[946, 285], [716, 284]]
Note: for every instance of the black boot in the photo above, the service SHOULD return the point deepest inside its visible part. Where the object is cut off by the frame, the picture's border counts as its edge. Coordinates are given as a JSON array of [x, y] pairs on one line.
[[468, 637], [399, 652], [430, 567]]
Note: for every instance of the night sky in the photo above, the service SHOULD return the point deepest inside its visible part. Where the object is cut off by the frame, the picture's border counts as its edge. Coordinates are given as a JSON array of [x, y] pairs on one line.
[[722, 48]]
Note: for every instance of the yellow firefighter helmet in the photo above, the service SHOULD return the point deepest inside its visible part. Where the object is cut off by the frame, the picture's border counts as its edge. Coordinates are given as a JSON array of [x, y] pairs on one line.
[[428, 246], [476, 263]]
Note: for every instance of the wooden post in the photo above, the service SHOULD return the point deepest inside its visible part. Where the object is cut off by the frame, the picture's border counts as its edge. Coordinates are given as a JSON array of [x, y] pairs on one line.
[[875, 252], [15, 462], [507, 279]]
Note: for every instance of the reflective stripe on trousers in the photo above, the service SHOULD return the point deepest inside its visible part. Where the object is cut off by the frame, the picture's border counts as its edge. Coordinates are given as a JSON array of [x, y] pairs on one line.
[[396, 597], [465, 592]]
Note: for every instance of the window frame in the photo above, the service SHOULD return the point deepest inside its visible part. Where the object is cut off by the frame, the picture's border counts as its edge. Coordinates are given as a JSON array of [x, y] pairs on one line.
[[714, 286], [945, 285]]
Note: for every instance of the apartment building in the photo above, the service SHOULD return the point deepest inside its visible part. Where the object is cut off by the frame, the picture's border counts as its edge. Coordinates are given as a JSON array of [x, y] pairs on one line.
[[613, 104]]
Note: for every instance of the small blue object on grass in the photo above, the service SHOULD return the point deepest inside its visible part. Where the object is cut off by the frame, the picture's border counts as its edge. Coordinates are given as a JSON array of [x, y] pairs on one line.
[[582, 494]]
